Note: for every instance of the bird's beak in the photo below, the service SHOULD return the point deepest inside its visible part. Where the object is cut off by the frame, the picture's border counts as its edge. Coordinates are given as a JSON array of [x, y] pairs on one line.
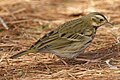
[[108, 24]]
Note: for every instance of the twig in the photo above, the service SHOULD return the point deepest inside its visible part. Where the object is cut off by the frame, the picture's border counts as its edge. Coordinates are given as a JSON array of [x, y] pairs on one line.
[[14, 12], [20, 10], [4, 14], [7, 45], [11, 13], [48, 69], [71, 75], [1, 59], [19, 21], [4, 23], [5, 55]]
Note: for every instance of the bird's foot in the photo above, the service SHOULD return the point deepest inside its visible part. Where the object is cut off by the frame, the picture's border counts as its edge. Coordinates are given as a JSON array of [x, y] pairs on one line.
[[111, 66]]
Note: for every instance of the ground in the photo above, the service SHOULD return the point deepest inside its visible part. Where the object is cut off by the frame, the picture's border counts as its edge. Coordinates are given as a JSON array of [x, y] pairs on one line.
[[29, 20]]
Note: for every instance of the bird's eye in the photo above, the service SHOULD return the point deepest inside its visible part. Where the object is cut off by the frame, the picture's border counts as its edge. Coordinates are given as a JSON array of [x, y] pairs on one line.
[[101, 20]]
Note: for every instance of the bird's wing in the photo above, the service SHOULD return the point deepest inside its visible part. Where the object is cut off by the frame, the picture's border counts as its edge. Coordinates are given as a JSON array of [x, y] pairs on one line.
[[79, 37], [75, 38], [68, 32], [73, 30]]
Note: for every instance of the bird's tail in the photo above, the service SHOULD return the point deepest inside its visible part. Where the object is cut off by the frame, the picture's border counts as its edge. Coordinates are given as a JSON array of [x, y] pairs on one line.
[[22, 53]]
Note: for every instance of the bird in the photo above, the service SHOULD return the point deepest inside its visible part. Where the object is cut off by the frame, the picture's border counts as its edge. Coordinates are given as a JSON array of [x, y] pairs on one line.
[[70, 39]]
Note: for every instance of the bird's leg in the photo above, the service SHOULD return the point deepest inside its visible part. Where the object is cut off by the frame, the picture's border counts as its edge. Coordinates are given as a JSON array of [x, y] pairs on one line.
[[110, 66], [64, 62]]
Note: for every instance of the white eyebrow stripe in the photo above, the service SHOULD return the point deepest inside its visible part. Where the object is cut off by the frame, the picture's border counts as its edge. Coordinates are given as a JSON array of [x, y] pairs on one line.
[[99, 17]]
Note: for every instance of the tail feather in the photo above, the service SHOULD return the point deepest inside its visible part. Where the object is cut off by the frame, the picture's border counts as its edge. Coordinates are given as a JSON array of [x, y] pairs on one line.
[[21, 53]]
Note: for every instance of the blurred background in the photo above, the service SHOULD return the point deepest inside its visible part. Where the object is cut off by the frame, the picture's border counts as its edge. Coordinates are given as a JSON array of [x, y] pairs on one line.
[[23, 22], [21, 11]]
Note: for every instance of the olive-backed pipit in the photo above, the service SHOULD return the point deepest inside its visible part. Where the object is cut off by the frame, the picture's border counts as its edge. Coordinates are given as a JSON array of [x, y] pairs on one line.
[[70, 39]]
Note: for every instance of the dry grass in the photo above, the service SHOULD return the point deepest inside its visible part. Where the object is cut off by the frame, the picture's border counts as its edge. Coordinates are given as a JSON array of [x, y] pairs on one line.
[[28, 20]]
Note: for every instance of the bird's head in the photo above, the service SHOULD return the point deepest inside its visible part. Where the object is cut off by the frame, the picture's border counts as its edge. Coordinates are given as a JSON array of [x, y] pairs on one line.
[[97, 19]]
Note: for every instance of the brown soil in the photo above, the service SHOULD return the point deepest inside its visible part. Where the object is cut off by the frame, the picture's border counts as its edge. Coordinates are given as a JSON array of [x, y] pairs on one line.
[[28, 20]]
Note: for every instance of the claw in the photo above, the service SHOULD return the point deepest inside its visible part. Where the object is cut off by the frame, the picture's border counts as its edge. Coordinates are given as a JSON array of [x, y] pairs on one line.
[[110, 66]]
